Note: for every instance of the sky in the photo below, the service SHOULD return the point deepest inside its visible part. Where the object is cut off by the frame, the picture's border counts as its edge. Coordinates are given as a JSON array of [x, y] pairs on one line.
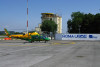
[[13, 13]]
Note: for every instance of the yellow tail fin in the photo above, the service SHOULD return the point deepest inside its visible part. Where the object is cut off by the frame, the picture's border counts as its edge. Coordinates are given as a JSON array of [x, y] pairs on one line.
[[7, 33]]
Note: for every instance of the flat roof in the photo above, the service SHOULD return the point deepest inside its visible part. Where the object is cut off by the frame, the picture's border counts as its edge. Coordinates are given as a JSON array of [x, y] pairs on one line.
[[47, 13]]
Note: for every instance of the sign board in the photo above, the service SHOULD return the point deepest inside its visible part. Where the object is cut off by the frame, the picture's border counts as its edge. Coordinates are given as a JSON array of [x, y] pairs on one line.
[[77, 37]]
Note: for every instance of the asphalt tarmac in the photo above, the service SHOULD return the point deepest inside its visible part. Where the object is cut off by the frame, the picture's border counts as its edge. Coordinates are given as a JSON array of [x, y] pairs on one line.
[[19, 53]]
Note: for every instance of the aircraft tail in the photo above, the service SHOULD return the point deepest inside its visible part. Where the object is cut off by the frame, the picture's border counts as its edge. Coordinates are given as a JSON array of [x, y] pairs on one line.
[[7, 33]]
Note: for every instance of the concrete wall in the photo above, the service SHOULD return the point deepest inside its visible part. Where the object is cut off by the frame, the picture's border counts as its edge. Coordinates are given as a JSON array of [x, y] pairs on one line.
[[77, 37]]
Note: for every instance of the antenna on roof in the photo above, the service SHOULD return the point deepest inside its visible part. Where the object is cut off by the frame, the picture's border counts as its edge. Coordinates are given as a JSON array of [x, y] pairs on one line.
[[59, 12]]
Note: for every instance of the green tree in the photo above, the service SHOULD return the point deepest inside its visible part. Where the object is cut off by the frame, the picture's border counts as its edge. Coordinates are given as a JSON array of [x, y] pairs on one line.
[[84, 23], [87, 23], [49, 26], [69, 25], [74, 24], [96, 23]]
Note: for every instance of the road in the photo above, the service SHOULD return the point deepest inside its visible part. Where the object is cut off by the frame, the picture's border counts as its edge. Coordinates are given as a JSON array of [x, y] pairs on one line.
[[17, 53]]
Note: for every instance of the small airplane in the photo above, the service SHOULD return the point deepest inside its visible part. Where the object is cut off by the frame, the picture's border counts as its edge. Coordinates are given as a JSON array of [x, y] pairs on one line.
[[31, 37]]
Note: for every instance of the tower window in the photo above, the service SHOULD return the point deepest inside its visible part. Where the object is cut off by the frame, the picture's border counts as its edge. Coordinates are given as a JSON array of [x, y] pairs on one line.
[[51, 19]]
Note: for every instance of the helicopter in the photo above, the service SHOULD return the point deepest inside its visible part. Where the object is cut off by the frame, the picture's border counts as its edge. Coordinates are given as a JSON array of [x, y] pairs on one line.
[[31, 37]]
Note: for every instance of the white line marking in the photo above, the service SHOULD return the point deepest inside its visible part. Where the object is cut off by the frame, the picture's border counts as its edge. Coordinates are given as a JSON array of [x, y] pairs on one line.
[[23, 49]]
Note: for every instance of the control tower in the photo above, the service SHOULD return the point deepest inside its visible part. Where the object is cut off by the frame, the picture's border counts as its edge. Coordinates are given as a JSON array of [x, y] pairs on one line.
[[53, 17]]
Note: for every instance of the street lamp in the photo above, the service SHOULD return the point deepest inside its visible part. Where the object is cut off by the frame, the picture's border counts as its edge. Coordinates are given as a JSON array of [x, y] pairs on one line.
[[79, 28]]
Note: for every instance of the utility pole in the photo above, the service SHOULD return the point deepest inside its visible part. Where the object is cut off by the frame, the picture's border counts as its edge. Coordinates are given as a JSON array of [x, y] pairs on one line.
[[27, 16]]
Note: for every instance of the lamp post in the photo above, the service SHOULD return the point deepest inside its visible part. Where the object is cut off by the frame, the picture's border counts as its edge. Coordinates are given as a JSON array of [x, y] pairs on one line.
[[79, 28]]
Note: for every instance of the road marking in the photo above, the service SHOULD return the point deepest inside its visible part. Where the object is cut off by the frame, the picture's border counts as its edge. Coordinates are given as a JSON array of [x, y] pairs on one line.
[[22, 45], [51, 44], [36, 45], [22, 49], [1, 44], [65, 43]]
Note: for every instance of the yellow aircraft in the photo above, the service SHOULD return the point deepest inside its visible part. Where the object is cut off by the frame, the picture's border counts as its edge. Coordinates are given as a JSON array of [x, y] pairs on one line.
[[21, 36]]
